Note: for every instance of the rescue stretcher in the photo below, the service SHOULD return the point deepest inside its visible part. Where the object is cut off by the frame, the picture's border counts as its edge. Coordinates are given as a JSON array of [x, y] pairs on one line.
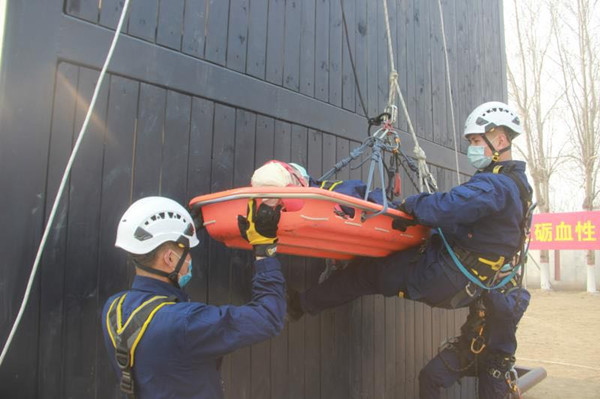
[[317, 228]]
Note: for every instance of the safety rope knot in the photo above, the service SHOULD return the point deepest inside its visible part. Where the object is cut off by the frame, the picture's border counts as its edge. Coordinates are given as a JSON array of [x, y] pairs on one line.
[[393, 77], [419, 153]]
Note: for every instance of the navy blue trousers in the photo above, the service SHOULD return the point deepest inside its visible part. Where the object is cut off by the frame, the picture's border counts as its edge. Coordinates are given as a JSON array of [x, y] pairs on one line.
[[430, 277], [436, 375]]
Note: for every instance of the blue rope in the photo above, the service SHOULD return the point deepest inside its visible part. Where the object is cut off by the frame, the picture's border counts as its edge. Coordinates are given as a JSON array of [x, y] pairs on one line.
[[469, 275]]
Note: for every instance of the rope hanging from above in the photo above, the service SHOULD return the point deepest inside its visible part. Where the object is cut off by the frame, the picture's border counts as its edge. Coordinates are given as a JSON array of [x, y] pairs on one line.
[[426, 179]]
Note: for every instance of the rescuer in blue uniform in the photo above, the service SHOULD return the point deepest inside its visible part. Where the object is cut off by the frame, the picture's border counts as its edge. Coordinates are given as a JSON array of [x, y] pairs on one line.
[[485, 348], [160, 344], [482, 220]]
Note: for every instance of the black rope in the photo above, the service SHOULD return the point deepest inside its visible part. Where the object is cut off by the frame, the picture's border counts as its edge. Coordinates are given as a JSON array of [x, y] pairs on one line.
[[362, 102]]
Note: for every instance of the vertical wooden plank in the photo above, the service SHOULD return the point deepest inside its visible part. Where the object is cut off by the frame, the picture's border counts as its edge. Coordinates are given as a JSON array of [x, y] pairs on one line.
[[199, 182], [307, 48], [261, 353], [335, 54], [476, 34], [115, 198], [342, 313], [391, 337], [219, 269], [379, 333], [348, 83], [80, 317], [450, 30], [400, 355], [257, 39], [411, 62], [312, 324], [501, 49], [410, 343], [241, 270], [275, 41], [464, 103], [360, 53], [368, 346], [216, 31], [238, 35], [292, 36], [297, 279], [422, 116], [265, 141], [328, 342], [356, 324], [442, 130], [148, 141], [282, 149], [402, 19], [142, 19], [245, 131], [175, 152], [280, 366], [373, 64], [299, 139], [110, 11], [170, 23], [194, 23], [322, 50], [86, 9], [52, 273], [296, 334]]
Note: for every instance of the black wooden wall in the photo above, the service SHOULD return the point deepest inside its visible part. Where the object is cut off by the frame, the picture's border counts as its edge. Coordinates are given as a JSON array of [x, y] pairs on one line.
[[199, 93]]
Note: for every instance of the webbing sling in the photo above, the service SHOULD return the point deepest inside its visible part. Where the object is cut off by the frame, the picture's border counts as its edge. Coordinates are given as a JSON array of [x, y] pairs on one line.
[[126, 337]]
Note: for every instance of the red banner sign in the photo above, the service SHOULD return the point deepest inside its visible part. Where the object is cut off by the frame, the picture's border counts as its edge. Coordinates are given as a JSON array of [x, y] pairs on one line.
[[571, 230]]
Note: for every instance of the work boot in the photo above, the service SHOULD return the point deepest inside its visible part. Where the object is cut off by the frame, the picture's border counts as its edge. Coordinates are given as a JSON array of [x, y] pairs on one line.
[[294, 307]]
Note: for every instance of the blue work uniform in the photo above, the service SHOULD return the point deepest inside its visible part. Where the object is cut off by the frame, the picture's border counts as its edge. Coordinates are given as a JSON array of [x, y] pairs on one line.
[[180, 353], [503, 313], [484, 215]]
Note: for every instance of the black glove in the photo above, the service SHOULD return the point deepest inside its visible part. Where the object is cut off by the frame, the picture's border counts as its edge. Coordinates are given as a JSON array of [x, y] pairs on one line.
[[402, 223], [259, 227]]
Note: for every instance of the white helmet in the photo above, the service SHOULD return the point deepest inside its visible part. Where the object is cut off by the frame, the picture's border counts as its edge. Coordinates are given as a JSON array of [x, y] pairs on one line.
[[152, 221], [492, 114]]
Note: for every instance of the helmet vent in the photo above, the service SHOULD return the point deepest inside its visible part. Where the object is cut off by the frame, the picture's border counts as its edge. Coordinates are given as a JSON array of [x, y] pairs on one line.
[[481, 122], [142, 235]]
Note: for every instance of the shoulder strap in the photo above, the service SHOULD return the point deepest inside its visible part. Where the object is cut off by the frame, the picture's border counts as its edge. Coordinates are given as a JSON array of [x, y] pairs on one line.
[[126, 336]]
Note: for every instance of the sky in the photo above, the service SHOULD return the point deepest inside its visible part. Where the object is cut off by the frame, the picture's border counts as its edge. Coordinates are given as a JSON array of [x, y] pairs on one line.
[[566, 188]]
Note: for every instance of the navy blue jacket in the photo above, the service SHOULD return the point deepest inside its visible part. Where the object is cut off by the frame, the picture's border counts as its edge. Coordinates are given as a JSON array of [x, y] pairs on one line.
[[482, 215], [179, 354]]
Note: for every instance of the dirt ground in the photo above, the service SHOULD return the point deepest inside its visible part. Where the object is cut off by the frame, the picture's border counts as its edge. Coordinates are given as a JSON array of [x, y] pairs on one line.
[[560, 332]]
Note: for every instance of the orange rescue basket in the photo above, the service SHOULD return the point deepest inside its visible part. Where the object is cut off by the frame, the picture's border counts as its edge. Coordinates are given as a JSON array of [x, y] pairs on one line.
[[316, 229]]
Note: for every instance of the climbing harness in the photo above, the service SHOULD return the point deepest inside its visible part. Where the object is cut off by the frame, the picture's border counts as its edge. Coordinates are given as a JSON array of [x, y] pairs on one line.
[[63, 182], [482, 267], [125, 337]]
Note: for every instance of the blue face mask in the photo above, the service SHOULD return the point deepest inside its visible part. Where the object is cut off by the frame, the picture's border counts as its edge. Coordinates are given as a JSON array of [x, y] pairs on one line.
[[183, 280], [477, 157]]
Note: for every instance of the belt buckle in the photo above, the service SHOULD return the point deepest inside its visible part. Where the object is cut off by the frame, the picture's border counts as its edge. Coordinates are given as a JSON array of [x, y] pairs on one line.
[[495, 373], [468, 290]]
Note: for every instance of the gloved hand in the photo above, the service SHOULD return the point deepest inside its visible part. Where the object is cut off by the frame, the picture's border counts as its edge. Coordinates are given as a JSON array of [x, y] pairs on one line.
[[402, 207], [259, 227], [402, 223]]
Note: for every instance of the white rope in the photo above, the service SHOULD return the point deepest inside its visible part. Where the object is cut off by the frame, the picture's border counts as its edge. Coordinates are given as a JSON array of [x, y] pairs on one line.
[[450, 91], [63, 184], [424, 173]]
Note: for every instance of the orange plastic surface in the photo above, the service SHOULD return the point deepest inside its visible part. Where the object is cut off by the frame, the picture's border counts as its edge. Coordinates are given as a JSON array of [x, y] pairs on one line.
[[316, 229]]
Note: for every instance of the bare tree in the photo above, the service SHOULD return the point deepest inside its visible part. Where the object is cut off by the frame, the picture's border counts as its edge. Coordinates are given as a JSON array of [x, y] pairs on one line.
[[575, 28], [527, 78]]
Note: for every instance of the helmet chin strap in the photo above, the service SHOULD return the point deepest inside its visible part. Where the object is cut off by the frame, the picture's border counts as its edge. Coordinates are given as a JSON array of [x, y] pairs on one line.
[[173, 276], [495, 153]]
